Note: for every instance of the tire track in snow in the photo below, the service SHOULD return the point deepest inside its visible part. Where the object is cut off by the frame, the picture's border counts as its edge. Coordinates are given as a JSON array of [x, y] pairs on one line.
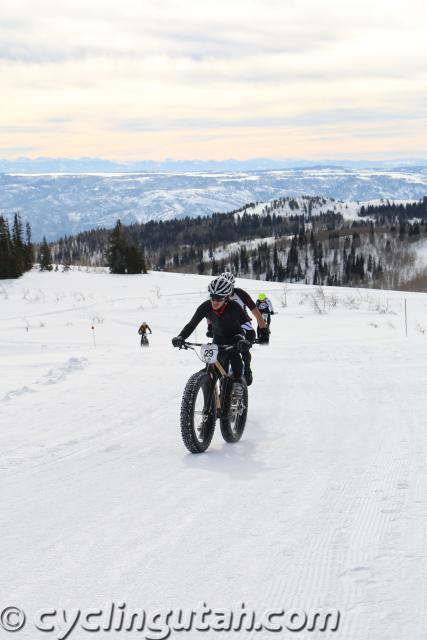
[[53, 376], [336, 567], [112, 439]]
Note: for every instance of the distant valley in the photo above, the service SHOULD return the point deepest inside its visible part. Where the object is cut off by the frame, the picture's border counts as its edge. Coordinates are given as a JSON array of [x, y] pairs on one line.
[[64, 204]]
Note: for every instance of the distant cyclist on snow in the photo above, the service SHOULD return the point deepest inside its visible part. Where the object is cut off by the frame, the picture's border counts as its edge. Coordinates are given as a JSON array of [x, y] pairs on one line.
[[245, 301], [143, 333], [265, 308], [227, 321]]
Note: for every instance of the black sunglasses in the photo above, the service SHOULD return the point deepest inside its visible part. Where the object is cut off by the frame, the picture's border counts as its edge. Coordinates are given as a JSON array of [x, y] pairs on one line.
[[216, 297]]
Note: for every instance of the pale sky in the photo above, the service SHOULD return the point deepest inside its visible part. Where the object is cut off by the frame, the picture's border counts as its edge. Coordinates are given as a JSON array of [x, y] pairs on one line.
[[213, 79]]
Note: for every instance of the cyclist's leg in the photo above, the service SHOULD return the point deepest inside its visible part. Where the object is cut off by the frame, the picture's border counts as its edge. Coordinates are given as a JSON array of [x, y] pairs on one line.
[[225, 382], [247, 357], [236, 364]]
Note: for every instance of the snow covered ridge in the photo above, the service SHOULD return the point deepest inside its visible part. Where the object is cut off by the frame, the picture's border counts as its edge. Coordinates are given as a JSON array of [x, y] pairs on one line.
[[307, 206], [59, 204], [321, 505]]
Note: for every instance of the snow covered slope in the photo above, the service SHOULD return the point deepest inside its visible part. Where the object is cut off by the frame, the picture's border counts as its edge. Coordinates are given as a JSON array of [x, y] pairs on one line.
[[322, 503], [59, 204]]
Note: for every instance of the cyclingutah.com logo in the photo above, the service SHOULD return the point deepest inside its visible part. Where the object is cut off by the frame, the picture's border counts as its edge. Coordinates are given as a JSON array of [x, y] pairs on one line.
[[160, 623]]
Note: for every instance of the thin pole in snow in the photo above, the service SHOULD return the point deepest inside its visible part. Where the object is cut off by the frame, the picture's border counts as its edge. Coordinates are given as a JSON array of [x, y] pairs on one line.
[[93, 334], [406, 321]]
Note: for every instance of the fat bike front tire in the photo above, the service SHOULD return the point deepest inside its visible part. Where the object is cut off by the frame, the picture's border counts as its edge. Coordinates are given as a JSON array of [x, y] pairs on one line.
[[198, 412], [233, 424]]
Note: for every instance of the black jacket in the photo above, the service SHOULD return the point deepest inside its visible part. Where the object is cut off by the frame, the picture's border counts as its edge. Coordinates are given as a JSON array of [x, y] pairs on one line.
[[226, 322]]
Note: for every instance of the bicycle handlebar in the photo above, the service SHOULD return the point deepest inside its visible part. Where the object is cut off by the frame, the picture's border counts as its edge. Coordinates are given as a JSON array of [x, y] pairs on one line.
[[186, 345]]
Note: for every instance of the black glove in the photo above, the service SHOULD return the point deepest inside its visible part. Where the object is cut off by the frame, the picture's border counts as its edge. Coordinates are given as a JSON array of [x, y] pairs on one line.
[[264, 335], [178, 342], [242, 345], [209, 333]]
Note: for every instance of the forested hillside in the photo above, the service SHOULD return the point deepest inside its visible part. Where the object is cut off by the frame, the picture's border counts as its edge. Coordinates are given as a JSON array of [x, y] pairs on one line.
[[377, 249]]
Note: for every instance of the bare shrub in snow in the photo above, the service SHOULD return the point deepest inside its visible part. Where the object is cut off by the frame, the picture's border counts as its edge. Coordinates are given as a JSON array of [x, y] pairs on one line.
[[319, 300], [383, 307], [316, 306], [332, 301], [351, 302], [319, 303], [420, 328], [284, 299]]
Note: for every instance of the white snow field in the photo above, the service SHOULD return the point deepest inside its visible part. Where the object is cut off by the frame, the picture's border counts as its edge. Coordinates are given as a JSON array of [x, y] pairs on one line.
[[322, 505]]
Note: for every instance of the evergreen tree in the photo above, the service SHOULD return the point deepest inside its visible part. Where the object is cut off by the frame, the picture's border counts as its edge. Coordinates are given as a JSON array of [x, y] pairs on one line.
[[275, 263], [28, 249], [6, 254], [15, 255], [117, 250], [135, 262], [45, 256], [18, 261], [292, 263], [201, 267], [244, 259], [214, 269], [316, 276]]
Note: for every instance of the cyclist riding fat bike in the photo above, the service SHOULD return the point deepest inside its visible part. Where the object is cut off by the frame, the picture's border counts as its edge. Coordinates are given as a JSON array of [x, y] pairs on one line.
[[143, 330], [227, 320], [244, 299], [265, 308]]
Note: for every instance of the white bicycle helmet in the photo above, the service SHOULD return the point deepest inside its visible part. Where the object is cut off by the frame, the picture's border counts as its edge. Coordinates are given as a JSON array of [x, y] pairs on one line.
[[220, 287], [228, 276]]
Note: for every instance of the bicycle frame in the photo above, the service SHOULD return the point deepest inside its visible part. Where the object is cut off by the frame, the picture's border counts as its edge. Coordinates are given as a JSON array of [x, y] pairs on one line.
[[215, 370]]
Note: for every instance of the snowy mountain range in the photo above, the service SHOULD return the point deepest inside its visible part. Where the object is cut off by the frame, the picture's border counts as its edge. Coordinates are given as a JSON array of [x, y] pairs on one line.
[[63, 203]]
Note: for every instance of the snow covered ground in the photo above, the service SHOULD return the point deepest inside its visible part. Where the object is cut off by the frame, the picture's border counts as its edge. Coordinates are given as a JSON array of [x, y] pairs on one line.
[[321, 505]]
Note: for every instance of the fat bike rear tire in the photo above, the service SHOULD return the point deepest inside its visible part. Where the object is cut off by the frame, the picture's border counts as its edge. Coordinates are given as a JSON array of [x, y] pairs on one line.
[[233, 424], [198, 412]]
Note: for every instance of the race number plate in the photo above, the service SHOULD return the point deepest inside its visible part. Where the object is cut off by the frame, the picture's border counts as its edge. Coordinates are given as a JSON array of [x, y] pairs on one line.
[[209, 353]]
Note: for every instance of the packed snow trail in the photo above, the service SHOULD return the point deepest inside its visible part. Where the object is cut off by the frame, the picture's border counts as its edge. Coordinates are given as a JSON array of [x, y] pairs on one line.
[[321, 505]]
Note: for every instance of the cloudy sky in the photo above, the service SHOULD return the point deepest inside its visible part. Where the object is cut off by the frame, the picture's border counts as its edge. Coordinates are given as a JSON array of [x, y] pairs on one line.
[[213, 79]]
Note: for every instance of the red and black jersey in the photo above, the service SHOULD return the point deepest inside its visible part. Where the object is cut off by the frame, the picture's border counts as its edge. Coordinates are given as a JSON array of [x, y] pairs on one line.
[[226, 323]]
